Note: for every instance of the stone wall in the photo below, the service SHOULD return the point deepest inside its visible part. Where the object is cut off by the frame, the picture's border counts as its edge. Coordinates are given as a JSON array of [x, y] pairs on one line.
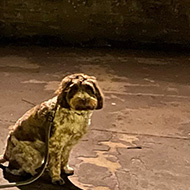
[[152, 21]]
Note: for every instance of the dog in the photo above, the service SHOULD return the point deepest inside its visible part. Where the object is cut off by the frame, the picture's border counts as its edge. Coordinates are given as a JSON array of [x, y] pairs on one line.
[[75, 99]]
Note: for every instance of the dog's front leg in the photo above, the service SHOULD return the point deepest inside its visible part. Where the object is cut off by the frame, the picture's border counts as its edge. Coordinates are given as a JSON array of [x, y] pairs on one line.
[[65, 158], [54, 165], [65, 155]]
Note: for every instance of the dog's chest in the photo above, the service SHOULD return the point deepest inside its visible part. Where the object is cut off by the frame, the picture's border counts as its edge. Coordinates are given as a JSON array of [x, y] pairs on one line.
[[70, 124]]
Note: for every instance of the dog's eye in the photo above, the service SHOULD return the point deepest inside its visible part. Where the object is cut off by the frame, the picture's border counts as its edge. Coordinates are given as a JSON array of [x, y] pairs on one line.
[[73, 90], [89, 89]]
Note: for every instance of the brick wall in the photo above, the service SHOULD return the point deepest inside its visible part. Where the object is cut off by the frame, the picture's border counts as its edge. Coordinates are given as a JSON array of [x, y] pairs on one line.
[[154, 21]]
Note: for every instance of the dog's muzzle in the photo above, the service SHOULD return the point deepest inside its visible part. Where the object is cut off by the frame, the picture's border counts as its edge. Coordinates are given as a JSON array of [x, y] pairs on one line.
[[83, 101]]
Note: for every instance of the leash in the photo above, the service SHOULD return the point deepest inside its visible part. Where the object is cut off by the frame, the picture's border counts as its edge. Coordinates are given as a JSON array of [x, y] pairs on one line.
[[50, 119]]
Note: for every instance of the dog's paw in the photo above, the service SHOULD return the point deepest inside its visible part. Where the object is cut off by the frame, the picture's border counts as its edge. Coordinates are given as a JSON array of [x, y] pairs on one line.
[[58, 181], [68, 170]]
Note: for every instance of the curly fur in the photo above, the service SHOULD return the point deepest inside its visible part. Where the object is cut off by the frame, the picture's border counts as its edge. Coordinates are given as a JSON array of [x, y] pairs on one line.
[[77, 96]]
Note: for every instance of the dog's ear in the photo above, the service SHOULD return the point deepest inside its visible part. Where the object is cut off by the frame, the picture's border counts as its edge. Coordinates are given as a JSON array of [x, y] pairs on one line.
[[99, 95], [61, 92]]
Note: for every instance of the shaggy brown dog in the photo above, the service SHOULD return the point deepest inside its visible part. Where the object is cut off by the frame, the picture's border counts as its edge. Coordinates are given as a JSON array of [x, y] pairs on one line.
[[76, 97]]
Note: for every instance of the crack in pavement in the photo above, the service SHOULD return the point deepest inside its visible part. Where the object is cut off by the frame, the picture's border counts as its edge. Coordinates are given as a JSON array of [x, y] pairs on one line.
[[146, 94], [7, 121], [140, 134]]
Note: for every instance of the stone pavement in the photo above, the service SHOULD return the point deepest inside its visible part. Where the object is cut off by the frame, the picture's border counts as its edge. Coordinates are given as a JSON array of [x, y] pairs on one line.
[[138, 141]]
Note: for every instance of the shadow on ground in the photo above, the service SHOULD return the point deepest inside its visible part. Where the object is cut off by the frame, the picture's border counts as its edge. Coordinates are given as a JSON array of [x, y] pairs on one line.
[[43, 183]]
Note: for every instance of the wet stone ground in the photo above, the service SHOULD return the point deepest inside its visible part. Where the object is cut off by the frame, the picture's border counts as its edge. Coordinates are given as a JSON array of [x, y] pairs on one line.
[[140, 140]]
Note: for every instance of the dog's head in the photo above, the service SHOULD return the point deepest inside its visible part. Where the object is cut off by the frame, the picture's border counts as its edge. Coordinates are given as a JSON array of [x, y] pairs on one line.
[[80, 92]]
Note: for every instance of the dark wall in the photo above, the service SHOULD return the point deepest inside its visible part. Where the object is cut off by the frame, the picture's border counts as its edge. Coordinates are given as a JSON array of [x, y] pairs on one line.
[[155, 21]]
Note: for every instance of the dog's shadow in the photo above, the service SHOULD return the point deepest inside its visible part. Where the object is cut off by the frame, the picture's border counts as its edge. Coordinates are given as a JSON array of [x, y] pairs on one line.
[[43, 183]]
